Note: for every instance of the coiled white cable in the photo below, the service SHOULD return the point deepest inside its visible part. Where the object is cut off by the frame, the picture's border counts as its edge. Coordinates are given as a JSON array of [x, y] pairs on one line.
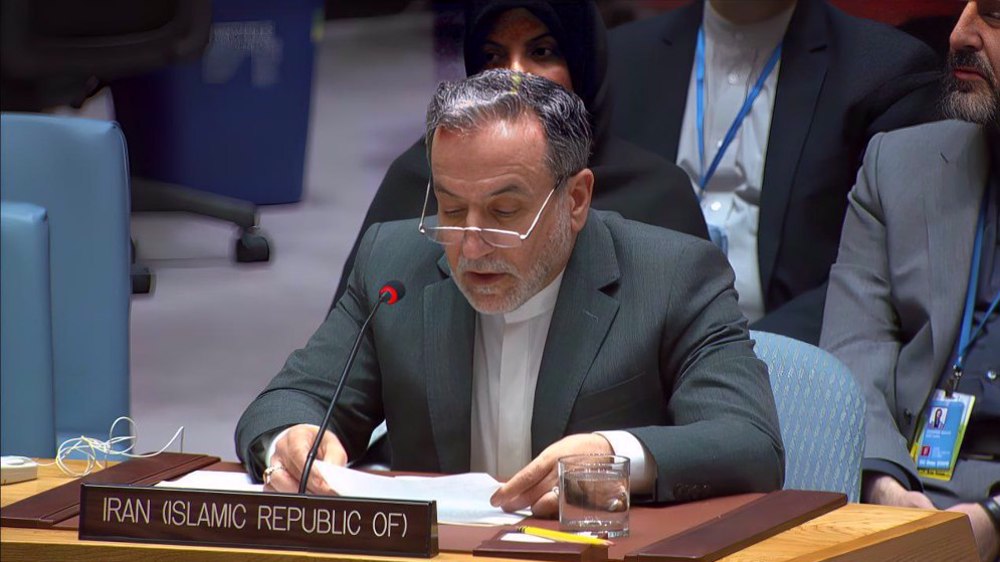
[[91, 447]]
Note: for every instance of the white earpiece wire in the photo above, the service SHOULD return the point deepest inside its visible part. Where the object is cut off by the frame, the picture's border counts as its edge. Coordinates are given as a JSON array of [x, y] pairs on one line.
[[92, 448]]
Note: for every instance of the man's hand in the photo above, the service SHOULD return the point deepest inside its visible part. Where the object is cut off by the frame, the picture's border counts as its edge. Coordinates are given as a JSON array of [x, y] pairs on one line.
[[983, 529], [886, 490], [290, 454], [532, 486]]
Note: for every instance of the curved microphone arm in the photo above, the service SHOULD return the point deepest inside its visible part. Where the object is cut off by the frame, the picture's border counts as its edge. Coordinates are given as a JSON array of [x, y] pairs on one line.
[[389, 294]]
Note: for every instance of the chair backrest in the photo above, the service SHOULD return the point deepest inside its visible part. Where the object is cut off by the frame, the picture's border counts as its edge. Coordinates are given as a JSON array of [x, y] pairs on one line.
[[27, 419], [822, 415], [77, 169]]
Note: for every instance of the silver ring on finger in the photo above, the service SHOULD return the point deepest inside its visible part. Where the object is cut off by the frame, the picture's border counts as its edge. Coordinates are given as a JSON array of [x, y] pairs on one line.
[[269, 471], [555, 490]]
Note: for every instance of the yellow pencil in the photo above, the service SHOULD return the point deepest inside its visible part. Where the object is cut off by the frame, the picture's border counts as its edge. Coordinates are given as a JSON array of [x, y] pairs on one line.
[[562, 537]]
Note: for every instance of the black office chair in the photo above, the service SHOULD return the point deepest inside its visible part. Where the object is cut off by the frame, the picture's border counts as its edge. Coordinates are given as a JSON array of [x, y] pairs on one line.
[[60, 52]]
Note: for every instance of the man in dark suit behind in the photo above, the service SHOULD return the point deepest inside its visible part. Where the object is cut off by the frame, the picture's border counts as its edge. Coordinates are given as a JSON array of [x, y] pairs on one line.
[[534, 327], [838, 81]]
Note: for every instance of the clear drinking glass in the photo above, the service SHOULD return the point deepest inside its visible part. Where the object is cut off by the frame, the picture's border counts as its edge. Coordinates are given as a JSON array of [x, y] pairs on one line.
[[594, 494]]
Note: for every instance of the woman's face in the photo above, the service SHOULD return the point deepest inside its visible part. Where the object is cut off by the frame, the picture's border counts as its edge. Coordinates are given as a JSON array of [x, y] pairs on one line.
[[520, 41]]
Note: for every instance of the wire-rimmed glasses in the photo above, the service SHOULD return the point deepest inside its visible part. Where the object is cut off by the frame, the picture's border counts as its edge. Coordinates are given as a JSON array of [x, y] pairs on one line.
[[496, 237]]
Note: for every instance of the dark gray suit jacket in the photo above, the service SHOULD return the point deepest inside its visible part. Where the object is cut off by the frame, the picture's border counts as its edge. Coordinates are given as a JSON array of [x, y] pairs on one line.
[[897, 288], [646, 336]]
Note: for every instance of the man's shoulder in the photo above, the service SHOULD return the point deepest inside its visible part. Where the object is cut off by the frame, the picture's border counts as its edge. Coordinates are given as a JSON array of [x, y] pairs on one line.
[[922, 145], [909, 163], [937, 133], [625, 229], [658, 267], [641, 245]]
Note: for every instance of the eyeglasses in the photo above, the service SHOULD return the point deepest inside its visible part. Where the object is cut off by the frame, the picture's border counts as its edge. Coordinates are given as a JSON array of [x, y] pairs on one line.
[[498, 238]]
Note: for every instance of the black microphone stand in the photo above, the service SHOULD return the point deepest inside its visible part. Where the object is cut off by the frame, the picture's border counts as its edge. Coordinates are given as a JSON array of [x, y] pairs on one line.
[[383, 297]]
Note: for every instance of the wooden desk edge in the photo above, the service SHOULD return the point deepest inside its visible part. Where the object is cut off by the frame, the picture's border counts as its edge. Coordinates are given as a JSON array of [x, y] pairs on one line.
[[945, 521], [951, 531], [48, 544]]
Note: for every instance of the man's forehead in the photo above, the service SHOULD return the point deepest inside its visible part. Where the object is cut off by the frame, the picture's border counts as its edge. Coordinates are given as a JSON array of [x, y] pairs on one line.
[[462, 191], [505, 176], [489, 157]]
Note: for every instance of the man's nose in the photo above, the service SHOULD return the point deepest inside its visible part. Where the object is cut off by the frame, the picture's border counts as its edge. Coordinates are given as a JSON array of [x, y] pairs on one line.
[[474, 247], [965, 36]]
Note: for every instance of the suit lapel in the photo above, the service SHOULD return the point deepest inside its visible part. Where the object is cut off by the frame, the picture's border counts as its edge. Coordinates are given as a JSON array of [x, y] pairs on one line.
[[580, 322], [804, 61], [952, 206], [449, 331], [675, 56]]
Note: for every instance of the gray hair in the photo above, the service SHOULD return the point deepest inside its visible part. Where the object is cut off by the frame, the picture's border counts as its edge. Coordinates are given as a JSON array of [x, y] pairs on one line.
[[507, 95]]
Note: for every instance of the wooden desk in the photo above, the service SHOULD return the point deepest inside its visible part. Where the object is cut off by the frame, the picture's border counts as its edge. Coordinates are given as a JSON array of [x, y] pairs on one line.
[[853, 532]]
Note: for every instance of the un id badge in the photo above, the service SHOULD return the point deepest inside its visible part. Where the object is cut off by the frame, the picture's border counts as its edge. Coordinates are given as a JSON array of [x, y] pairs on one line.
[[940, 434]]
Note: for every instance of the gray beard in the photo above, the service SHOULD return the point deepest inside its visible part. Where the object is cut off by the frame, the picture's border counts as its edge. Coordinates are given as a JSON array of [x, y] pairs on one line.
[[968, 102], [558, 247], [974, 107]]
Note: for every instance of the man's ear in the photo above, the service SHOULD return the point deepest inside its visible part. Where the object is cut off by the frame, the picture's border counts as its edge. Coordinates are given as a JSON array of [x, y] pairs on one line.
[[580, 188]]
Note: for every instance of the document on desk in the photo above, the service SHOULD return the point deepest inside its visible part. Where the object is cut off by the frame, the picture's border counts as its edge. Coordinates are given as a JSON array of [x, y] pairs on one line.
[[461, 498], [214, 480]]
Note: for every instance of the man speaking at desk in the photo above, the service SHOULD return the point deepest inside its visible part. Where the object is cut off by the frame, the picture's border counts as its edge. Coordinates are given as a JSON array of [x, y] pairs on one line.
[[533, 328]]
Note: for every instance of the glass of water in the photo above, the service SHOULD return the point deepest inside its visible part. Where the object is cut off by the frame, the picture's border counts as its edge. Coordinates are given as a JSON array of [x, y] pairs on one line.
[[594, 494]]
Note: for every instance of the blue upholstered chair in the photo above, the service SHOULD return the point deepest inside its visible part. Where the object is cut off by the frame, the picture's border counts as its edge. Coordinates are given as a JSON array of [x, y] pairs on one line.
[[822, 415], [27, 418], [77, 171]]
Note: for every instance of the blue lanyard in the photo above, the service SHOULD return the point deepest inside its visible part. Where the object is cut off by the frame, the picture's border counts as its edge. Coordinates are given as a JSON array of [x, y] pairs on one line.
[[744, 111], [967, 336]]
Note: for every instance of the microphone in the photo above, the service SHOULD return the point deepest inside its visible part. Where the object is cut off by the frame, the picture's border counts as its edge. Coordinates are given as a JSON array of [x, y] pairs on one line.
[[390, 294]]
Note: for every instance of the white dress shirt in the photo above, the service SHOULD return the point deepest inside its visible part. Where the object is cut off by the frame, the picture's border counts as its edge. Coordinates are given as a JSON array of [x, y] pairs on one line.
[[506, 357], [735, 55]]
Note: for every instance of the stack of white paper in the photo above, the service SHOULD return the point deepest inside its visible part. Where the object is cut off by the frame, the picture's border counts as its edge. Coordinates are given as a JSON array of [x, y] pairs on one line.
[[214, 480], [461, 498]]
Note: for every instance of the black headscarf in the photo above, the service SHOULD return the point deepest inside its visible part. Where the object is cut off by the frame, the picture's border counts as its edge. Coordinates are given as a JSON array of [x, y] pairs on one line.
[[578, 29], [631, 181]]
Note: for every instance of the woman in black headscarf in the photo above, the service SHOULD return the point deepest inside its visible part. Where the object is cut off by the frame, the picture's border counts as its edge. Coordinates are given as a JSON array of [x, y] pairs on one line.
[[564, 41]]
